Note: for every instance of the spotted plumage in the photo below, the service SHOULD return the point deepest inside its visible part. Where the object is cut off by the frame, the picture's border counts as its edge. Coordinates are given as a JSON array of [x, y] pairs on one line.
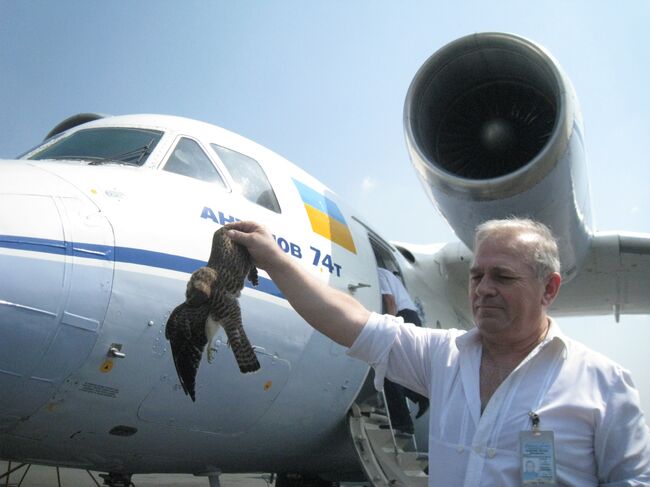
[[234, 265], [211, 301], [232, 261]]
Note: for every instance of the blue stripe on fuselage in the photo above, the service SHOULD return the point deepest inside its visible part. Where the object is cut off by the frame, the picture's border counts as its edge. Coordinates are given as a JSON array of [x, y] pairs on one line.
[[128, 255]]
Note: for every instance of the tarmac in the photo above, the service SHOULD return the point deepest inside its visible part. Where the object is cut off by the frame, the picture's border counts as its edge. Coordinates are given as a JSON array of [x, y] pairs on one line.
[[43, 476]]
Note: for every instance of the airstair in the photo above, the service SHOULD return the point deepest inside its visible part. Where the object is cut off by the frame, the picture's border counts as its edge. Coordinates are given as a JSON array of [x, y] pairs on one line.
[[389, 458]]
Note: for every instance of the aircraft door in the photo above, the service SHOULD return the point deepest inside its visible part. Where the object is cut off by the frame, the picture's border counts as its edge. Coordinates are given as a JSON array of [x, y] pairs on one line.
[[363, 282], [56, 255]]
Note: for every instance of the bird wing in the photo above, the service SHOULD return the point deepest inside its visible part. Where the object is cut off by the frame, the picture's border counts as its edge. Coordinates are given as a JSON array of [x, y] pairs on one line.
[[185, 331]]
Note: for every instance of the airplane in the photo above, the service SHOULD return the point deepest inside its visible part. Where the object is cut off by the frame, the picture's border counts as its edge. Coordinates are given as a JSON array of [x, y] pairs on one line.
[[103, 222]]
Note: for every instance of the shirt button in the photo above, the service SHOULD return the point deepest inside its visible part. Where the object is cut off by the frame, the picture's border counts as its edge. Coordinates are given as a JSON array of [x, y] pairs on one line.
[[460, 449], [491, 452]]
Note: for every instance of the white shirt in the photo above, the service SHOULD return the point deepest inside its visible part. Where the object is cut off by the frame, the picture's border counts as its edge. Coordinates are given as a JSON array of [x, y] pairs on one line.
[[390, 284], [588, 401]]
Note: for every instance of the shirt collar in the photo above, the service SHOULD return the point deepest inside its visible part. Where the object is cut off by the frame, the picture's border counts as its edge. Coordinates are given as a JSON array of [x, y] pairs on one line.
[[473, 338], [468, 339], [555, 334]]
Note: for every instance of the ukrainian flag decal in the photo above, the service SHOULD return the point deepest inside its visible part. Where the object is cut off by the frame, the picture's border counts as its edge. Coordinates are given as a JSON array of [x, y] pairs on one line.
[[325, 217]]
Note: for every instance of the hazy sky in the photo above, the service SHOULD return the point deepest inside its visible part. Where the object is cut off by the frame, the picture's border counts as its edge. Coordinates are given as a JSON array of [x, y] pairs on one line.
[[323, 84]]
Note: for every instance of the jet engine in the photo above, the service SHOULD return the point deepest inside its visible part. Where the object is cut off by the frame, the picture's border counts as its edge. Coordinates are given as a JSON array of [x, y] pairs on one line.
[[493, 128]]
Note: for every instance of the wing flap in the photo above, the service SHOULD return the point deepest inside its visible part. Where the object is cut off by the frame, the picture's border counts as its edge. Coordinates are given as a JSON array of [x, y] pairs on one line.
[[614, 279]]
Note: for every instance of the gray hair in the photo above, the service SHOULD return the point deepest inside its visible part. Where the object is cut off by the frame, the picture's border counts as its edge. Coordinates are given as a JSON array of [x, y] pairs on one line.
[[544, 257]]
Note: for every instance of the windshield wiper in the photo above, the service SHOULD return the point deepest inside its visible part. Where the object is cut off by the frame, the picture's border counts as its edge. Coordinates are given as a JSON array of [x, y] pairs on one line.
[[126, 157]]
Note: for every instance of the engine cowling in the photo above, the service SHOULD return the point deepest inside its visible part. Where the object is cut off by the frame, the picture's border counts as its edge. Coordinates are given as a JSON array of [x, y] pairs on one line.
[[493, 128]]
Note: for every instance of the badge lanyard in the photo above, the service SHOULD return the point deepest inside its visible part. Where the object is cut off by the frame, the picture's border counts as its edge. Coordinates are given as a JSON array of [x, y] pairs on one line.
[[537, 447]]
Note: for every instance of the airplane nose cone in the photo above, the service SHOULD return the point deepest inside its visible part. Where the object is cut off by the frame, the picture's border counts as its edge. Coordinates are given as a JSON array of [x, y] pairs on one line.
[[53, 293]]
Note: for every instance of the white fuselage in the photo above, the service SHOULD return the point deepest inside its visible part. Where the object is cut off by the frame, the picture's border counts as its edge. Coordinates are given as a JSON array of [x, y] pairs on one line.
[[95, 257]]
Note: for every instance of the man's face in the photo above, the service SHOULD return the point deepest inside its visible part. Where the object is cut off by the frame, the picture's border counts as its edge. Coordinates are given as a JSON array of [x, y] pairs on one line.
[[505, 295]]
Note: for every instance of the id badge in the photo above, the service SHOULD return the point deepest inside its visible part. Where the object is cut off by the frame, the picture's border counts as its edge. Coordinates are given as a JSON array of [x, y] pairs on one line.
[[537, 455]]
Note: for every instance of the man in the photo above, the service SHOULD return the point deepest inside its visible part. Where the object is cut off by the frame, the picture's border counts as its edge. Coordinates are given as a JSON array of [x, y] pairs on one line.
[[510, 390], [395, 298], [397, 302]]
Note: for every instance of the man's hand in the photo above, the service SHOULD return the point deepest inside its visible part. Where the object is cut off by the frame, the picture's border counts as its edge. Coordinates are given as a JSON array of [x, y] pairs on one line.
[[259, 242]]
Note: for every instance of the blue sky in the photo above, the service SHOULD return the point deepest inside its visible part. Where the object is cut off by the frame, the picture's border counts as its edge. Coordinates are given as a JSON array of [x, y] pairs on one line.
[[323, 84]]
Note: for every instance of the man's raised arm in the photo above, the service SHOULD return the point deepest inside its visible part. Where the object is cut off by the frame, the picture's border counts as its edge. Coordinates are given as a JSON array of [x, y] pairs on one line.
[[332, 312]]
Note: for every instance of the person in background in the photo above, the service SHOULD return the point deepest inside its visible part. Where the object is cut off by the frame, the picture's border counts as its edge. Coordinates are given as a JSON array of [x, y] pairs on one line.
[[397, 302]]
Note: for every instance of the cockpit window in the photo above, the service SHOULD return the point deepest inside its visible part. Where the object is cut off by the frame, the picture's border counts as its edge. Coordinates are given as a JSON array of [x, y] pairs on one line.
[[249, 177], [104, 145], [188, 159]]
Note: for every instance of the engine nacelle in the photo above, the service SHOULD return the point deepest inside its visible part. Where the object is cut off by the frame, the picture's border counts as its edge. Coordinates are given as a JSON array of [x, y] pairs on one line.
[[493, 128]]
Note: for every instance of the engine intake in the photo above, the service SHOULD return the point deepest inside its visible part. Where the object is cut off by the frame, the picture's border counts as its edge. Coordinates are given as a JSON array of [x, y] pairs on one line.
[[493, 129]]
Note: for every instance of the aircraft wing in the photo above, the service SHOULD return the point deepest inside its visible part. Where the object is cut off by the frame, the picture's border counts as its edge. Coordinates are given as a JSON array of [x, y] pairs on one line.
[[613, 279]]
